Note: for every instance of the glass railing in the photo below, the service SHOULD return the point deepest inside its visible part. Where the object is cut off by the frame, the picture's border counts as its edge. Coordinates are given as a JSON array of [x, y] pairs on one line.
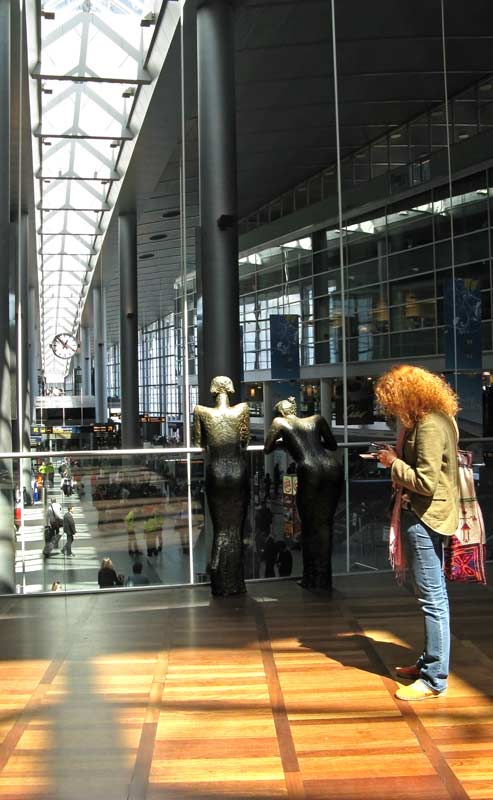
[[140, 518]]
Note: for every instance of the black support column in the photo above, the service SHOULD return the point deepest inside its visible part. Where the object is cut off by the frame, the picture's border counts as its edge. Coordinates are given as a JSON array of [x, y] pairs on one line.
[[100, 355], [7, 536], [85, 360], [129, 354], [24, 389], [33, 350], [219, 282]]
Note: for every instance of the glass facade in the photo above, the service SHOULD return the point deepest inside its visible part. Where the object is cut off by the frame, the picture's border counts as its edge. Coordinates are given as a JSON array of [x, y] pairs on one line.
[[397, 261], [364, 214], [404, 154]]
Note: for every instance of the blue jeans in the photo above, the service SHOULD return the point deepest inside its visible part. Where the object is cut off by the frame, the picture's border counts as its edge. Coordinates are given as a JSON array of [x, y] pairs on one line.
[[424, 551]]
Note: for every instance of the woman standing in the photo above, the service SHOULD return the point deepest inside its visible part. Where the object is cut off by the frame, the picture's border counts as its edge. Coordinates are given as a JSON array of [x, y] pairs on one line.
[[424, 472]]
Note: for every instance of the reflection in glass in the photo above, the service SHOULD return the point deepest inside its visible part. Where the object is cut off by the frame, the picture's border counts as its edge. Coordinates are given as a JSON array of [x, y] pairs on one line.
[[127, 509]]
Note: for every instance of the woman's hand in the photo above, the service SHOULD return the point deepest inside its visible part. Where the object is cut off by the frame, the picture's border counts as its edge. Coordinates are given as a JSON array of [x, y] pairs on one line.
[[387, 456]]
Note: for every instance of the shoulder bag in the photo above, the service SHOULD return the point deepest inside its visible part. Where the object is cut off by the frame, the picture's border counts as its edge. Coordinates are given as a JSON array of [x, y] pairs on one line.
[[464, 555]]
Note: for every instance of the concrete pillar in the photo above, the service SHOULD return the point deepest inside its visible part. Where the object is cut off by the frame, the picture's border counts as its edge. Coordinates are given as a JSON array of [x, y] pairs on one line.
[[326, 399], [129, 352], [220, 345]]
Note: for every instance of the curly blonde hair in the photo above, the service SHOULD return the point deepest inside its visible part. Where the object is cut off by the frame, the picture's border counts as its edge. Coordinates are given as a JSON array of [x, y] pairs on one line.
[[408, 393]]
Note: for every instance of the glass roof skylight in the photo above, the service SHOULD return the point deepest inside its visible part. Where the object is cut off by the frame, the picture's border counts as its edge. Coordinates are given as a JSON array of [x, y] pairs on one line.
[[91, 64]]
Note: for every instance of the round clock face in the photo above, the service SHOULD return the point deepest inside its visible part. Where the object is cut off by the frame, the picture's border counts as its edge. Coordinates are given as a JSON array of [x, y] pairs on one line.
[[64, 345]]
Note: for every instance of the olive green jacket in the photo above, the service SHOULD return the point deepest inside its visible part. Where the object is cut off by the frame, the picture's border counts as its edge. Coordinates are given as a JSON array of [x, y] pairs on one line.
[[428, 471]]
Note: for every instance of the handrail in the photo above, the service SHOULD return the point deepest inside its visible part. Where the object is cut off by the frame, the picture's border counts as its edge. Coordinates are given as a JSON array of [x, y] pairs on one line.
[[166, 451]]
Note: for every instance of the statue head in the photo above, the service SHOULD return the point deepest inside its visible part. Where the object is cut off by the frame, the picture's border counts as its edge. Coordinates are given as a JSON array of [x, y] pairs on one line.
[[285, 407], [221, 384]]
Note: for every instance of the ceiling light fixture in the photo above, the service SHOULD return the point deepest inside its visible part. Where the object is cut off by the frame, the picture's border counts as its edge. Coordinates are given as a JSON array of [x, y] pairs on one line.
[[148, 20], [171, 214]]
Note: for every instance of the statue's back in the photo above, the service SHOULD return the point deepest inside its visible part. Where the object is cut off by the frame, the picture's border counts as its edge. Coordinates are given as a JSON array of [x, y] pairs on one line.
[[225, 430]]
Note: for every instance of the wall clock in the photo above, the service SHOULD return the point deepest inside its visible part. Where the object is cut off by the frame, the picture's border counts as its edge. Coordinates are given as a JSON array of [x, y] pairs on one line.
[[64, 345]]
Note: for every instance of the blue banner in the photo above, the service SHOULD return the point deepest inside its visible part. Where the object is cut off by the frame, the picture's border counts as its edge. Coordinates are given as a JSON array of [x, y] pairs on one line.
[[463, 325], [463, 351], [284, 347]]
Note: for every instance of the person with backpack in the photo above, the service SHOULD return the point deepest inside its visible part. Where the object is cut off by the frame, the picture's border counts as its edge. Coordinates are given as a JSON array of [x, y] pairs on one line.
[[69, 530], [66, 485], [55, 522]]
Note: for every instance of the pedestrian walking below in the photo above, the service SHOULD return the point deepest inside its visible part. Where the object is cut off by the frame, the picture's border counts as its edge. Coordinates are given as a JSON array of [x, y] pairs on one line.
[[69, 531]]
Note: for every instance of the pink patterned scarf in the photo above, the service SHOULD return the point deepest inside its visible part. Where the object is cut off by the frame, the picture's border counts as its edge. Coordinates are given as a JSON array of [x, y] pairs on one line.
[[397, 556]]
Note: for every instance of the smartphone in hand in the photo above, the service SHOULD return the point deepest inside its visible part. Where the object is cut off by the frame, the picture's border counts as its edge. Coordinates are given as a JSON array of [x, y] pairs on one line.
[[375, 447]]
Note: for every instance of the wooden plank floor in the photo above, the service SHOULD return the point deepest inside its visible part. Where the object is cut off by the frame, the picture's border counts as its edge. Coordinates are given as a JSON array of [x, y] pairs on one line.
[[171, 694]]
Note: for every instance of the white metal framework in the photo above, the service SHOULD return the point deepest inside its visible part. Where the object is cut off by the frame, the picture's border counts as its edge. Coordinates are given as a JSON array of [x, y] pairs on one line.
[[92, 60]]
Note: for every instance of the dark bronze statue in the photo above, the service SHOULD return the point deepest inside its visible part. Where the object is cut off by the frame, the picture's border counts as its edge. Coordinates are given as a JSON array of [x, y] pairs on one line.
[[309, 441], [224, 431]]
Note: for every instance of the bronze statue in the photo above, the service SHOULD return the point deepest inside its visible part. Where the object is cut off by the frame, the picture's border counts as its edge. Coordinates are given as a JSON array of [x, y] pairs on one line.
[[309, 441], [224, 431]]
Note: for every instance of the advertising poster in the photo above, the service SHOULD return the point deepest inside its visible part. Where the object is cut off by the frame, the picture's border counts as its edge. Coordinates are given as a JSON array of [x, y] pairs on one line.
[[291, 520], [360, 402]]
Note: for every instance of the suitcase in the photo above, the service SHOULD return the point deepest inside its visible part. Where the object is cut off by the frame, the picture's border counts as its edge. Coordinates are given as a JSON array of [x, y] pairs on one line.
[[48, 549]]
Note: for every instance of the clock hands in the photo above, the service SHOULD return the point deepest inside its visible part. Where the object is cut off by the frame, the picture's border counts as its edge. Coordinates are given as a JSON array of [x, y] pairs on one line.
[[64, 345]]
